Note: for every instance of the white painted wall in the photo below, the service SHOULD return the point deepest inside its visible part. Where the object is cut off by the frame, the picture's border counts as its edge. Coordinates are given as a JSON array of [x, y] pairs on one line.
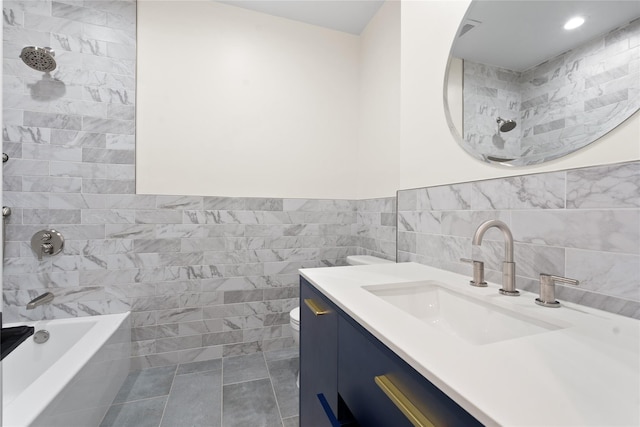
[[428, 153], [238, 103], [379, 124], [233, 102], [455, 95]]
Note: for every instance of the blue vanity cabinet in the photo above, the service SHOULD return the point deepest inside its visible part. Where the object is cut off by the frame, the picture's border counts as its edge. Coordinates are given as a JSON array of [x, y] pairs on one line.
[[318, 357], [372, 380], [361, 381]]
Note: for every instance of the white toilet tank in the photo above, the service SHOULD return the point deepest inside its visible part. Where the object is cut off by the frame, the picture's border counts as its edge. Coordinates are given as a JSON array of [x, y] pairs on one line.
[[366, 260]]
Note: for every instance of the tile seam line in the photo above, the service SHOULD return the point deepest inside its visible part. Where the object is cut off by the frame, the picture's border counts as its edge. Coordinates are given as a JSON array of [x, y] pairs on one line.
[[273, 389], [248, 381], [139, 400], [166, 403]]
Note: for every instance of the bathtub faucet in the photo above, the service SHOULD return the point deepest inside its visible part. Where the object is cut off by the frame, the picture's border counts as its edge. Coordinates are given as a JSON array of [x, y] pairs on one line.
[[45, 298]]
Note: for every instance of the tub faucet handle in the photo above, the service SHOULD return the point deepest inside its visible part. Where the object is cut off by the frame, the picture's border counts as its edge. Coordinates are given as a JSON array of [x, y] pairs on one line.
[[47, 242], [47, 248]]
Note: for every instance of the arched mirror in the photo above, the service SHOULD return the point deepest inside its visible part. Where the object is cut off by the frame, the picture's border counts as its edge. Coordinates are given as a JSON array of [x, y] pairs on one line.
[[532, 81]]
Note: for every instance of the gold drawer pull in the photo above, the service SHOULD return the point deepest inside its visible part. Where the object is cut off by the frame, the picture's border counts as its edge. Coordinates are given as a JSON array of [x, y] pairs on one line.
[[409, 410], [315, 307]]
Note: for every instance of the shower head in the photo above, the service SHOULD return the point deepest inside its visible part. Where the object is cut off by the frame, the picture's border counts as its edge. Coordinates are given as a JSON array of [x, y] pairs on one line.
[[505, 125], [39, 58]]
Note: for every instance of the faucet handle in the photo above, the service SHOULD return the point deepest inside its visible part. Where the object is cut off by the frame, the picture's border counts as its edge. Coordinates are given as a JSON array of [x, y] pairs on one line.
[[547, 296], [47, 242], [478, 273]]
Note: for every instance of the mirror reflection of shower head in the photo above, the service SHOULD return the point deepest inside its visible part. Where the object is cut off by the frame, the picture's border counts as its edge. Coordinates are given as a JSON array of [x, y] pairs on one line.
[[505, 125], [39, 58]]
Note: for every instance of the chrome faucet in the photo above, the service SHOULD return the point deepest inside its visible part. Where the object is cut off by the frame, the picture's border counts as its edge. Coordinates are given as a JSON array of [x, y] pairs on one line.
[[508, 266], [547, 296], [478, 273], [45, 298]]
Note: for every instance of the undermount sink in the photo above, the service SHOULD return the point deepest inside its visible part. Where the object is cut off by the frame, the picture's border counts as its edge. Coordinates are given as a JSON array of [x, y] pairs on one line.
[[474, 321]]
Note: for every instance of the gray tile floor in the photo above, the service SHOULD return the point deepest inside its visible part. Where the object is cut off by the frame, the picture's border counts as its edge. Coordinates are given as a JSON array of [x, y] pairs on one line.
[[256, 390]]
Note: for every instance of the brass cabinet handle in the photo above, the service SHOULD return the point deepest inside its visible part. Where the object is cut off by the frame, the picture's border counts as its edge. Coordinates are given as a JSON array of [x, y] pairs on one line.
[[409, 410], [316, 308]]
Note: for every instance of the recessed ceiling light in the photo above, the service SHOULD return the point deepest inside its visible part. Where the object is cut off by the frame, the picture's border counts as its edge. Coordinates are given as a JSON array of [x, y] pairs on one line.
[[573, 23]]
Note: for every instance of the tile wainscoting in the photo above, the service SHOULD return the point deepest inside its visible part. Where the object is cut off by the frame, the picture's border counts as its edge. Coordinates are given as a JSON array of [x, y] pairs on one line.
[[376, 227], [205, 277], [581, 223]]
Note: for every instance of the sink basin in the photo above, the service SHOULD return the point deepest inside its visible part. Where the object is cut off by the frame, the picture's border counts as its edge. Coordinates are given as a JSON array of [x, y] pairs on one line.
[[470, 319]]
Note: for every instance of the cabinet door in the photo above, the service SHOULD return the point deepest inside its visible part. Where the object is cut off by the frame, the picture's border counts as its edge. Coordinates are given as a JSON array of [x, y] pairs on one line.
[[362, 358], [318, 356]]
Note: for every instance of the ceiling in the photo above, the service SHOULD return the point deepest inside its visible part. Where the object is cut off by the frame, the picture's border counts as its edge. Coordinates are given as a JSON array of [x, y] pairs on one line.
[[520, 34], [349, 16]]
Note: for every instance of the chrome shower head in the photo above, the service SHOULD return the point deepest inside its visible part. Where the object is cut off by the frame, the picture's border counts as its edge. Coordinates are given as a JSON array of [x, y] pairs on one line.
[[39, 58], [505, 125]]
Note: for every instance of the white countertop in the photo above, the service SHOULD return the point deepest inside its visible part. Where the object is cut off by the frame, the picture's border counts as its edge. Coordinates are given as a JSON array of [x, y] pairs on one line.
[[585, 373]]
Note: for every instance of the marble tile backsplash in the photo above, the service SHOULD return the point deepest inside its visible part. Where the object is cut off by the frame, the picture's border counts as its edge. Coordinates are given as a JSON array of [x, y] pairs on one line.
[[581, 223], [375, 229]]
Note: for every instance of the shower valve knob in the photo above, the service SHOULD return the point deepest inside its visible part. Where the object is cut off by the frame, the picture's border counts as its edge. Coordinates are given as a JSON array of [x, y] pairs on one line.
[[47, 242]]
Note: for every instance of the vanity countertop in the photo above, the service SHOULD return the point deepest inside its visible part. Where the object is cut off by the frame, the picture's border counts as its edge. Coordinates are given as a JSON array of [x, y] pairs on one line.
[[586, 372]]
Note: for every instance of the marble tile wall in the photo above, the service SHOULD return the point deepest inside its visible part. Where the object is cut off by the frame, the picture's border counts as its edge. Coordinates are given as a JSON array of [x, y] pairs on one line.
[[491, 92], [375, 229], [580, 223], [204, 277], [568, 101], [70, 131]]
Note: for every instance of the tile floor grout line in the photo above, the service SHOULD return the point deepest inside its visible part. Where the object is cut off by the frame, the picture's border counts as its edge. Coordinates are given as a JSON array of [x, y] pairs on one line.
[[273, 389], [196, 372], [138, 400], [169, 395], [248, 381]]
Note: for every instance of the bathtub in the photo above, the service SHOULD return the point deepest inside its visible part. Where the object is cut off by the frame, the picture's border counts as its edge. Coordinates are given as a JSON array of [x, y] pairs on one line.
[[71, 379]]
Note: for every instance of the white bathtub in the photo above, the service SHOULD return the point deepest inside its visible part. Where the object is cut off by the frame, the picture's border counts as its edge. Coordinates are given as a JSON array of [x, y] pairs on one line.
[[72, 378]]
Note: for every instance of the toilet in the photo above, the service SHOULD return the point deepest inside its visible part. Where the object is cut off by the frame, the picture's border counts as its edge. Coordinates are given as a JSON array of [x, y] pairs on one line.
[[294, 315]]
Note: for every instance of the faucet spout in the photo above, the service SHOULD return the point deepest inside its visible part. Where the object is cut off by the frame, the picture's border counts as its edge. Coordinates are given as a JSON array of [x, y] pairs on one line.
[[45, 298], [508, 266], [508, 237]]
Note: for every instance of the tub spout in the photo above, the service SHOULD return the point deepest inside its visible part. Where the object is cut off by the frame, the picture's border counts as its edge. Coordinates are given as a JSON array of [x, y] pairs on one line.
[[45, 298]]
